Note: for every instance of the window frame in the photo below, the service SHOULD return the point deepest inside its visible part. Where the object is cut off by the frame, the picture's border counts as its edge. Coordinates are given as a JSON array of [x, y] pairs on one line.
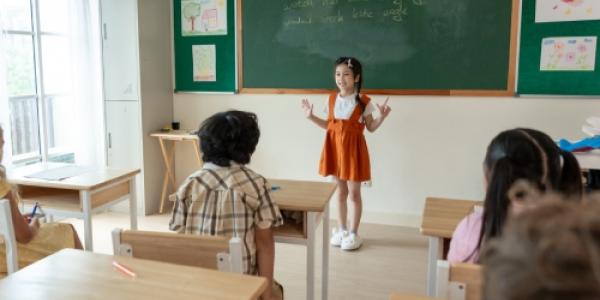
[[42, 99]]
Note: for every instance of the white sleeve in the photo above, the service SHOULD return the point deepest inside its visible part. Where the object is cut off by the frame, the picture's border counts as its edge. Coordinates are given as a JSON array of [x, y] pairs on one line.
[[369, 109]]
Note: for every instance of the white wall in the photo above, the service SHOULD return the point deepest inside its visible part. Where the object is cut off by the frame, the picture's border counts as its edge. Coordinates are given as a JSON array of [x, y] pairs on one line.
[[428, 146]]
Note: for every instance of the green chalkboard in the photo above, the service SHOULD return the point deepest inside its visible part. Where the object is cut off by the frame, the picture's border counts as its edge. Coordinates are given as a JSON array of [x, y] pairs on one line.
[[534, 81], [403, 44], [225, 55]]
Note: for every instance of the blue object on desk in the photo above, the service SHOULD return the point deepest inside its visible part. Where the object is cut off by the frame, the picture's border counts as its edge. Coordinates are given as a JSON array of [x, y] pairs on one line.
[[33, 211], [275, 187], [591, 142]]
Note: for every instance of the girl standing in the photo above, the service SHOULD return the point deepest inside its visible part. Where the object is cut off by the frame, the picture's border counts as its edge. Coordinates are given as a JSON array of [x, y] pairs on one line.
[[345, 155]]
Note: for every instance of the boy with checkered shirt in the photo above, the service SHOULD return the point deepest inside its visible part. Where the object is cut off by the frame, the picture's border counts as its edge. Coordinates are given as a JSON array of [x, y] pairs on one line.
[[225, 198]]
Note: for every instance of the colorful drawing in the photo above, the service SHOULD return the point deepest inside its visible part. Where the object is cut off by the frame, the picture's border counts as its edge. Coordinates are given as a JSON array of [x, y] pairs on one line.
[[566, 10], [204, 60], [203, 17], [568, 54]]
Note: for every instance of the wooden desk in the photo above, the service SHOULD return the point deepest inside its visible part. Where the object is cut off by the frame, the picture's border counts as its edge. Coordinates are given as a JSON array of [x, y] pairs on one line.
[[588, 160], [168, 154], [312, 199], [78, 196], [75, 274], [440, 218]]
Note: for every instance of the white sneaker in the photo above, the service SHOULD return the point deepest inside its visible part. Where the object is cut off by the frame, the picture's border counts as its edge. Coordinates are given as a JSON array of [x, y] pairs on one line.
[[351, 242], [337, 237]]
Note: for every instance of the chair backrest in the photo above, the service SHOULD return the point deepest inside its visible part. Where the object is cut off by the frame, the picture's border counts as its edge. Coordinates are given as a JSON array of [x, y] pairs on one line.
[[458, 281], [7, 230], [184, 249], [442, 215]]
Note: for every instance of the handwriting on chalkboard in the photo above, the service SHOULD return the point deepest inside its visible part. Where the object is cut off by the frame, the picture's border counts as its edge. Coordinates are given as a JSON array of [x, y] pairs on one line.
[[310, 12]]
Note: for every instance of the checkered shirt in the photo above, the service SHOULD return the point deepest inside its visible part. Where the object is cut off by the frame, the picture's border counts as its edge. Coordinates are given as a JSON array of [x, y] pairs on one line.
[[225, 201]]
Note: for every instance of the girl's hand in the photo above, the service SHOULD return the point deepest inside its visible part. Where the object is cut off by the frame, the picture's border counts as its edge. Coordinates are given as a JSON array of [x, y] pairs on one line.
[[384, 110], [34, 225], [307, 107]]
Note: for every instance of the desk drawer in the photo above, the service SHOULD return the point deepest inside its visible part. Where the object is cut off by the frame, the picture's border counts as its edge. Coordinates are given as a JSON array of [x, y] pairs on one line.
[[294, 224], [50, 197]]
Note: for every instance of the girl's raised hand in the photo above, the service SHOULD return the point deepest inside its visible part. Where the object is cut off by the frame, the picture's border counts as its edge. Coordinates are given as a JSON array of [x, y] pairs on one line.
[[307, 107], [384, 110]]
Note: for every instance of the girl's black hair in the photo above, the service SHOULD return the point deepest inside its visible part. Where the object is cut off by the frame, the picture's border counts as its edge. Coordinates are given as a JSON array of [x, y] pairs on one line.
[[229, 136], [530, 155], [356, 68]]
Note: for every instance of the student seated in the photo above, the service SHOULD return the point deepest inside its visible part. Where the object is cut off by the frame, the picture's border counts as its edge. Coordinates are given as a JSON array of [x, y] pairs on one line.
[[227, 198], [517, 154], [34, 241], [550, 252]]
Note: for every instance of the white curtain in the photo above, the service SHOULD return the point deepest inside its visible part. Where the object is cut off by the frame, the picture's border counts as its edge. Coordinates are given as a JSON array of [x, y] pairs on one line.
[[88, 121], [4, 109]]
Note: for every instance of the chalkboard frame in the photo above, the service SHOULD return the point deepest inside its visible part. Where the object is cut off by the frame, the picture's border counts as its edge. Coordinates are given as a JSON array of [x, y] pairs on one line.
[[510, 80]]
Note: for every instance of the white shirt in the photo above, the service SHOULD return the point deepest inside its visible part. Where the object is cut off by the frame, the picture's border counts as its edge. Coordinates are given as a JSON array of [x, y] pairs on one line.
[[344, 106]]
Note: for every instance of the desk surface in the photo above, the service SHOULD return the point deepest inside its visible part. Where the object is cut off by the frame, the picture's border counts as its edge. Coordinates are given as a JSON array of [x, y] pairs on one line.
[[75, 274], [302, 195], [441, 216], [91, 179], [175, 135], [588, 160]]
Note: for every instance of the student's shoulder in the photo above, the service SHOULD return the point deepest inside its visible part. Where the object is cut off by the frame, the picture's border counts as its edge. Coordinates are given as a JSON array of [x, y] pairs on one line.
[[470, 223], [365, 98], [247, 174]]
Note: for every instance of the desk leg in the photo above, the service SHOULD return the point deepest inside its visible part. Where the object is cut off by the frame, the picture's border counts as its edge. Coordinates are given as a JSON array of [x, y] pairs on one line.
[[325, 267], [435, 253], [133, 203], [85, 198], [310, 256], [198, 156], [168, 171]]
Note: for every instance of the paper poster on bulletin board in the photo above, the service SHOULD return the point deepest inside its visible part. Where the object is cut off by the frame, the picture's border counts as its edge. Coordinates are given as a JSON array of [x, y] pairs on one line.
[[203, 17], [566, 10]]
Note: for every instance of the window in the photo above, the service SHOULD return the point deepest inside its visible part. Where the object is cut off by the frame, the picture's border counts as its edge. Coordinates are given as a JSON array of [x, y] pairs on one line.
[[47, 48]]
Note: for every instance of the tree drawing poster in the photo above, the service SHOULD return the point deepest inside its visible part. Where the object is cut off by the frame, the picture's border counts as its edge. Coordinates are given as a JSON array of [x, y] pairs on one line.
[[204, 60], [203, 17], [566, 10], [568, 54]]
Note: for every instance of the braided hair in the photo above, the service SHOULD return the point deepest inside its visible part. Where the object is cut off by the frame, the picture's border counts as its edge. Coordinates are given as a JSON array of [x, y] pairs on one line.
[[356, 68]]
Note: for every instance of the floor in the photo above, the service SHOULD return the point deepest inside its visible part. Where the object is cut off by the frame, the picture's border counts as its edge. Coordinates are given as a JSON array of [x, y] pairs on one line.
[[392, 258]]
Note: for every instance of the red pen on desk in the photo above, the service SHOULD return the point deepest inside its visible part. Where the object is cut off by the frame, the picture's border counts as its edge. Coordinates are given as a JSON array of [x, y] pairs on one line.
[[123, 269]]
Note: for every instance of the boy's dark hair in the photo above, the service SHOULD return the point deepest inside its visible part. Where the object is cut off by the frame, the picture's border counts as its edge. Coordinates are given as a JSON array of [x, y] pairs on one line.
[[529, 155], [229, 136], [354, 65], [549, 252]]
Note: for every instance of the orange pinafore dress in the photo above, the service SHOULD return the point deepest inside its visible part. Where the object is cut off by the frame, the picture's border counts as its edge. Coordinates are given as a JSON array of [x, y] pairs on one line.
[[345, 154]]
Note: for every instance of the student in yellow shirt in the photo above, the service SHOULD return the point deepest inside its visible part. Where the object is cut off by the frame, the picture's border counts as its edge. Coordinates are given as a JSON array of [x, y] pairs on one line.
[[34, 241]]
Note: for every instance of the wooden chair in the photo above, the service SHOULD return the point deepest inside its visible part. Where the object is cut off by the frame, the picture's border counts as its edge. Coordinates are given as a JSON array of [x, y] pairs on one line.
[[440, 218], [7, 230], [458, 281], [184, 249]]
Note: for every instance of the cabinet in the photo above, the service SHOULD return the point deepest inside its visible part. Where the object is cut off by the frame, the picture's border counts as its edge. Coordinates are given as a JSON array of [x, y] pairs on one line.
[[137, 85]]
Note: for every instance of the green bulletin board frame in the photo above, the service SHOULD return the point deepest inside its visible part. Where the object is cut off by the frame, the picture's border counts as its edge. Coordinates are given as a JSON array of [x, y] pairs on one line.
[[531, 79], [225, 48]]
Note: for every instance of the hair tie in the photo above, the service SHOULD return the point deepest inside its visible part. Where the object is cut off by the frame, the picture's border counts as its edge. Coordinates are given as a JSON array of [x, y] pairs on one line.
[[349, 62]]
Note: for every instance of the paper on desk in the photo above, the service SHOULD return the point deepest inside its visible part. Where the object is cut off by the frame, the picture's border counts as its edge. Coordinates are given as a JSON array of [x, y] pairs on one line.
[[60, 173]]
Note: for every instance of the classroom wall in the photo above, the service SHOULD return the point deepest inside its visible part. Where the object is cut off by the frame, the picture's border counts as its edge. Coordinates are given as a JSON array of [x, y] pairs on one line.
[[428, 146]]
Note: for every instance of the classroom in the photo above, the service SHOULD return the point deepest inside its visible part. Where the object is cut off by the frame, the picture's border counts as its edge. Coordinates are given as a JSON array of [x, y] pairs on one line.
[[101, 102]]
